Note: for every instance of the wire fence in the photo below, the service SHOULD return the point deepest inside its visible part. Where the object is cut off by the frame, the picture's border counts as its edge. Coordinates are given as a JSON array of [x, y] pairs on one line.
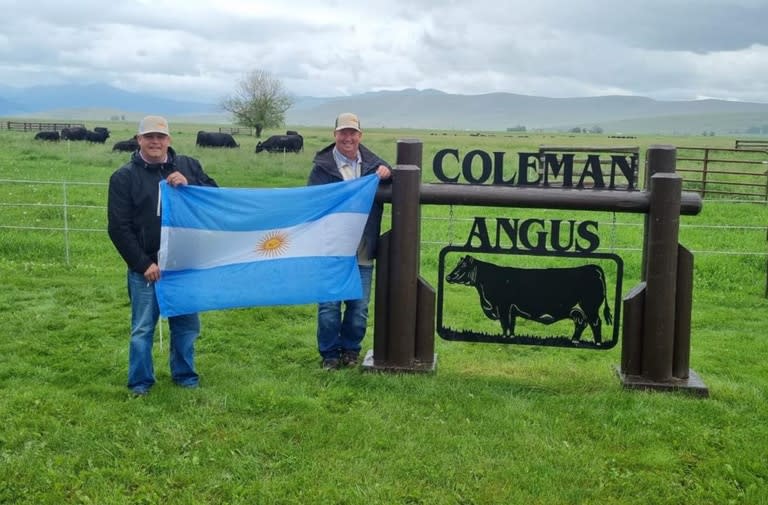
[[68, 201]]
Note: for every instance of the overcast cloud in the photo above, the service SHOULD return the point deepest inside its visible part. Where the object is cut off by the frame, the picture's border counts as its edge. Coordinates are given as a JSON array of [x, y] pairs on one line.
[[194, 50]]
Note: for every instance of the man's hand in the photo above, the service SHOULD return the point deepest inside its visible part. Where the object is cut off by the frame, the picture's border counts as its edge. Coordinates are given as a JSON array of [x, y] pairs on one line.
[[383, 172], [177, 179], [152, 273]]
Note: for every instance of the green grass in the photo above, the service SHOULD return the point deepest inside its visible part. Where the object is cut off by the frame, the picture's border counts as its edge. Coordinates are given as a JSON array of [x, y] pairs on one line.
[[495, 423]]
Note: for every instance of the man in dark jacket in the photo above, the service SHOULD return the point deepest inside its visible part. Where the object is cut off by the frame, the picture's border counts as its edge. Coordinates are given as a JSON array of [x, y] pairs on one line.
[[134, 228], [339, 336]]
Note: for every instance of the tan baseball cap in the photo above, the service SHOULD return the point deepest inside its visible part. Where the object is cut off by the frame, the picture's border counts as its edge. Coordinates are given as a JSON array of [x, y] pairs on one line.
[[153, 124], [348, 120]]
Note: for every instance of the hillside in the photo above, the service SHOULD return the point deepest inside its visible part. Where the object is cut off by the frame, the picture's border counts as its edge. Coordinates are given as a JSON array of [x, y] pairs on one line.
[[499, 111], [419, 109]]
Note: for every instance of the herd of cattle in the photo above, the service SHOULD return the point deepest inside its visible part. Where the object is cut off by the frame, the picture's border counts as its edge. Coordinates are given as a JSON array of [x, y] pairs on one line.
[[99, 134], [291, 142]]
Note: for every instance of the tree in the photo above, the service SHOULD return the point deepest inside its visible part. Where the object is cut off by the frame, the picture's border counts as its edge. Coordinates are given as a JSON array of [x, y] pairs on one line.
[[258, 102]]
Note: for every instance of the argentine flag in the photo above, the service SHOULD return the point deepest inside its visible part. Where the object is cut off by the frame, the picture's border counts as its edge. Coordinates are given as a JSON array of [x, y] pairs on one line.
[[228, 247]]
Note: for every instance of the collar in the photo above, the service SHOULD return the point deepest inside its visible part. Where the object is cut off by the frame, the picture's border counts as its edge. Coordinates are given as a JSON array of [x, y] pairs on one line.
[[341, 159]]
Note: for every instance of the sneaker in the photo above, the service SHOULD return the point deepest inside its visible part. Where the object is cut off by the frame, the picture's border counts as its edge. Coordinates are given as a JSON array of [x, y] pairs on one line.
[[350, 359], [331, 363], [139, 393]]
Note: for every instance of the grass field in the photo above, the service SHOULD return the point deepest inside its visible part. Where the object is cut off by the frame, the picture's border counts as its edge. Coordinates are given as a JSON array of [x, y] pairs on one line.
[[494, 424]]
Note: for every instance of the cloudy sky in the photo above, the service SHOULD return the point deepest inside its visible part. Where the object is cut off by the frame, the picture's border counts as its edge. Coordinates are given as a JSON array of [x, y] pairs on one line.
[[199, 50]]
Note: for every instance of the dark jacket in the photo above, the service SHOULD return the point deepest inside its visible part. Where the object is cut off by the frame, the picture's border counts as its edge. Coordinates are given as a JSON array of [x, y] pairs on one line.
[[133, 222], [325, 171]]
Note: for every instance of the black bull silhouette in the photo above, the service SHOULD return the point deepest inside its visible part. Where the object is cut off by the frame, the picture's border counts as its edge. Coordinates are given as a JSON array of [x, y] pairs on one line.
[[544, 295]]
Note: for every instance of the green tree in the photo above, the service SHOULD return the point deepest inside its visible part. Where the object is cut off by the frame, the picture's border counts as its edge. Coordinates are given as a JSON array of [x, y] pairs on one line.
[[258, 102]]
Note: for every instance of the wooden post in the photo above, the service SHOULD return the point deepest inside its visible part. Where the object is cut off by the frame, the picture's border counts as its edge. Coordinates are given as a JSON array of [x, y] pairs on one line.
[[425, 326], [404, 266], [632, 331], [681, 355], [381, 306], [658, 159], [704, 173], [665, 291], [404, 326], [661, 276]]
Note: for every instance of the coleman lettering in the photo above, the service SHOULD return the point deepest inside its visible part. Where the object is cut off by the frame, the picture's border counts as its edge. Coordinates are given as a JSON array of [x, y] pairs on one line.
[[547, 169]]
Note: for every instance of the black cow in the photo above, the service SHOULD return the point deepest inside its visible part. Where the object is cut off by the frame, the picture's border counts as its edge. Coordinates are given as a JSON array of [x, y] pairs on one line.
[[215, 139], [100, 135], [281, 143], [52, 136], [74, 133], [129, 145], [544, 295]]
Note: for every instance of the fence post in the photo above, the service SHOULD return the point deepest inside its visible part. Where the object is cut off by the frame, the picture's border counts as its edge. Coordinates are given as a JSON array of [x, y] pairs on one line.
[[404, 310], [659, 360], [659, 159], [66, 224], [404, 260], [766, 185], [704, 173], [681, 355], [661, 275]]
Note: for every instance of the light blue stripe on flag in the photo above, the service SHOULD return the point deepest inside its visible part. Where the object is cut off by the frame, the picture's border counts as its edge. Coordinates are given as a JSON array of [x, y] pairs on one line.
[[225, 248]]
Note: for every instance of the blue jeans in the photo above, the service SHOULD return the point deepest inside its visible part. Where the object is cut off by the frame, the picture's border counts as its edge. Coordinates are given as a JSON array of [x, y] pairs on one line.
[[144, 316], [335, 334]]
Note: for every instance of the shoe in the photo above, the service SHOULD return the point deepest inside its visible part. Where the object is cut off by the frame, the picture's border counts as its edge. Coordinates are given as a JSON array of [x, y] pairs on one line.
[[139, 393], [331, 363], [350, 359]]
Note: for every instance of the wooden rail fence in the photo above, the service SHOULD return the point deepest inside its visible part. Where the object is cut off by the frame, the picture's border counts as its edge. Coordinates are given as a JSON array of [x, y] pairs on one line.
[[759, 144], [236, 130], [38, 126], [719, 172]]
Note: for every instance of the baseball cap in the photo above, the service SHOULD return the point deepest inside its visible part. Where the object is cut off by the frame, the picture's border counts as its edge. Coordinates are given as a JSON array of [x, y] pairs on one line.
[[348, 120], [153, 124]]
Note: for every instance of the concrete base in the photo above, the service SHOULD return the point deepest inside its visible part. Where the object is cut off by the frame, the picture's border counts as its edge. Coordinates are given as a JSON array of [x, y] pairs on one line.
[[693, 384], [414, 367]]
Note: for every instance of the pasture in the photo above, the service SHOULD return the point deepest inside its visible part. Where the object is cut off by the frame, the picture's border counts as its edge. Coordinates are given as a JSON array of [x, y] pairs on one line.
[[495, 423]]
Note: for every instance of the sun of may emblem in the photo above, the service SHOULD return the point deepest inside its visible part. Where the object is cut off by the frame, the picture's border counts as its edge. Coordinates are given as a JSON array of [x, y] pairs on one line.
[[273, 244]]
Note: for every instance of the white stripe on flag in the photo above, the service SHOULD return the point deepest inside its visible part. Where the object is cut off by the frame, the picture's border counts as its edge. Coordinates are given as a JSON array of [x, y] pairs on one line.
[[187, 248]]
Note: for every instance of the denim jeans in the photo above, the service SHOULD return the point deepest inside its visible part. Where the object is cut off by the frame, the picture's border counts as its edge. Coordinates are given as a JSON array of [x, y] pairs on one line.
[[144, 316], [337, 334]]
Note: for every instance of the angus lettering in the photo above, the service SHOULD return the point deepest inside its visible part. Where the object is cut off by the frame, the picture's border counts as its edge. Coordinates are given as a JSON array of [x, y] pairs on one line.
[[534, 235]]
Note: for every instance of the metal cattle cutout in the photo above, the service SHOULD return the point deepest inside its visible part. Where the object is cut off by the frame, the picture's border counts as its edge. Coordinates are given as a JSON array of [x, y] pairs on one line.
[[543, 295]]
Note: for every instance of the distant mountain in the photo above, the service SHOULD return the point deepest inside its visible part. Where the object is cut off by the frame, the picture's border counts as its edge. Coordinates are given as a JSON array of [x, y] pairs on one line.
[[412, 108], [6, 104], [498, 111], [41, 99]]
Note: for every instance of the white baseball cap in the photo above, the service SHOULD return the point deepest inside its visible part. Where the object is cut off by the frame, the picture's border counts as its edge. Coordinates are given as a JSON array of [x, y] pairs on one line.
[[348, 120], [153, 124]]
